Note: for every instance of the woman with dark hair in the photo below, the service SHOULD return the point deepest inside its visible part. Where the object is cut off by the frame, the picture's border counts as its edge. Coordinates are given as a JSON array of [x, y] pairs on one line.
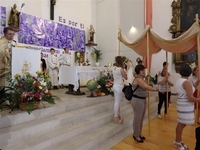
[[43, 64], [138, 102], [185, 104], [163, 80], [194, 79], [118, 74]]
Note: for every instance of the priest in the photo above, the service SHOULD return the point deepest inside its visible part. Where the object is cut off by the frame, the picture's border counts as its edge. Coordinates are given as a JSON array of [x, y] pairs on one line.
[[5, 50]]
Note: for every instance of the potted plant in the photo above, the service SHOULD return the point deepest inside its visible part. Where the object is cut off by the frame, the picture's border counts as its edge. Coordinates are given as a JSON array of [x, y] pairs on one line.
[[96, 55], [6, 95], [31, 90]]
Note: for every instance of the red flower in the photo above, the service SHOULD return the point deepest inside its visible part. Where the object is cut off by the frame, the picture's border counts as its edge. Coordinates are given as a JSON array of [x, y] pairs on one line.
[[37, 95]]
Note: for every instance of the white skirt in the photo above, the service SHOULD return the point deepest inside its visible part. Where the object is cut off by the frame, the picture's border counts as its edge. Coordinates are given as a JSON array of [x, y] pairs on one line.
[[185, 111]]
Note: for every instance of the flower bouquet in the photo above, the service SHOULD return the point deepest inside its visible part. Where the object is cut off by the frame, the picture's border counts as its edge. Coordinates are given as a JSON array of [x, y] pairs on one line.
[[105, 81], [31, 90]]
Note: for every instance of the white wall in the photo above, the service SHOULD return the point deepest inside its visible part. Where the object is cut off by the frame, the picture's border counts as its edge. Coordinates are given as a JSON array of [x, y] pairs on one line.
[[107, 21], [112, 14], [131, 14]]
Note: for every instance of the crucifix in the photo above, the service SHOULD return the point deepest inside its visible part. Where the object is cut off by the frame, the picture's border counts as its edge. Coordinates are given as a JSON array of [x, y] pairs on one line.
[[52, 3]]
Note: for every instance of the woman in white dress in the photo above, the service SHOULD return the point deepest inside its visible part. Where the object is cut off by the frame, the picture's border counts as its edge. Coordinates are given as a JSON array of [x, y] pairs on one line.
[[185, 104]]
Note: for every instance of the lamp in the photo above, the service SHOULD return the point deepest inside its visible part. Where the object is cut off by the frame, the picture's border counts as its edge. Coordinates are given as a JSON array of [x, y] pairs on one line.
[[133, 29]]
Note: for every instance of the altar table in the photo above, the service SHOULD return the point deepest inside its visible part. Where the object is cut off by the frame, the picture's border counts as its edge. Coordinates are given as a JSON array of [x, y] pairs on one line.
[[72, 74]]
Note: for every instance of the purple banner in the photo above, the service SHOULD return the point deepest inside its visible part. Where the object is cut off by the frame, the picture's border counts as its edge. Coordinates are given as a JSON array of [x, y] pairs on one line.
[[42, 32], [2, 19]]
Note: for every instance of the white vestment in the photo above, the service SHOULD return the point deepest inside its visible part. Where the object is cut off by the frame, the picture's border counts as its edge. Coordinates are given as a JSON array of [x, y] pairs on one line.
[[53, 64], [5, 60], [65, 59]]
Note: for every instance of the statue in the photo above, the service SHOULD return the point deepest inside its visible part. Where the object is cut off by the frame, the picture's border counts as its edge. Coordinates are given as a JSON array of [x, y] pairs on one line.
[[91, 34], [14, 18]]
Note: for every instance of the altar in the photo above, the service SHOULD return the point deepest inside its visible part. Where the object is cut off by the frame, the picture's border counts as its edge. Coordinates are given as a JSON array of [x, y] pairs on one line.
[[72, 74]]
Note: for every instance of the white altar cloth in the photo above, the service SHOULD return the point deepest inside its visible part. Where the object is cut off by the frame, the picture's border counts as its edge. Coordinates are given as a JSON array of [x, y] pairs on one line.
[[72, 74]]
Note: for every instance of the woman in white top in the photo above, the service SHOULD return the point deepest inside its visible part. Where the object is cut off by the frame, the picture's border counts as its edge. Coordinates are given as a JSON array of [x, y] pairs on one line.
[[163, 80], [185, 104], [118, 74], [129, 72]]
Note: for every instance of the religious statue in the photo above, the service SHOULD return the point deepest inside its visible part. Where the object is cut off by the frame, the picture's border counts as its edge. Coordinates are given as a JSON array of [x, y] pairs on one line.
[[91, 34], [13, 20]]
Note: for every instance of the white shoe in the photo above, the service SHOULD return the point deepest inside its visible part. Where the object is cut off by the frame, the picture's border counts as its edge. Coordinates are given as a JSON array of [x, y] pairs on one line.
[[179, 145], [159, 116], [165, 115]]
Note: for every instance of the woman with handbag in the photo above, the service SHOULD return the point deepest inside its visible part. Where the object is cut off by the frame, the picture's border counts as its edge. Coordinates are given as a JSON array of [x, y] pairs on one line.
[[138, 102]]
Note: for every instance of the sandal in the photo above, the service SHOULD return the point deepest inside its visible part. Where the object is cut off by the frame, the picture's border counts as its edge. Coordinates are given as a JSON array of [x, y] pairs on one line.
[[185, 146], [120, 118], [117, 120], [179, 145]]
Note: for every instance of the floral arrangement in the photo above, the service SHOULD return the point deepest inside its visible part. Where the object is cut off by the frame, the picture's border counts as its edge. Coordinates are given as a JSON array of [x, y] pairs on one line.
[[105, 82], [31, 89]]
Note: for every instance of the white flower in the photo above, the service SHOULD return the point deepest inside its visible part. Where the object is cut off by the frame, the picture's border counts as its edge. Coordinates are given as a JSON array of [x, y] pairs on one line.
[[43, 83]]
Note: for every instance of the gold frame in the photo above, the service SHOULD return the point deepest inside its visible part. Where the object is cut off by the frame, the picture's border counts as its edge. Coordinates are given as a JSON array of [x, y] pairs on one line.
[[176, 31]]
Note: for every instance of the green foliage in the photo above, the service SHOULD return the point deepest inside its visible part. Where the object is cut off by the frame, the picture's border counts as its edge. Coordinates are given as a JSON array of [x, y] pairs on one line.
[[97, 54], [6, 94]]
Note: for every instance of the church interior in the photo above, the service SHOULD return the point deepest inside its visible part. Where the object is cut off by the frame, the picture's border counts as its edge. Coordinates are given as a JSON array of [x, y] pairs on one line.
[[94, 32]]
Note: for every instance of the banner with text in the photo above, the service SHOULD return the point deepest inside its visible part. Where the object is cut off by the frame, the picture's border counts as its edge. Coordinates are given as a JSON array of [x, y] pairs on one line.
[[47, 33]]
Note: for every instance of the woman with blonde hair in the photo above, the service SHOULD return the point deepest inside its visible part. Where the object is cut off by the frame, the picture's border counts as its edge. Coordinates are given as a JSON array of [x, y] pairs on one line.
[[163, 80]]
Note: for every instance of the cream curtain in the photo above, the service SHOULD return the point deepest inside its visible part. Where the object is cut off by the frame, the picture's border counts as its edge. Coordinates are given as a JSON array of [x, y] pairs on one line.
[[183, 44]]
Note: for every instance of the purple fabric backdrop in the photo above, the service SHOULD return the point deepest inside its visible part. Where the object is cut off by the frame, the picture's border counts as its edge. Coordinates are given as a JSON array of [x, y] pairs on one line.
[[2, 19], [42, 32]]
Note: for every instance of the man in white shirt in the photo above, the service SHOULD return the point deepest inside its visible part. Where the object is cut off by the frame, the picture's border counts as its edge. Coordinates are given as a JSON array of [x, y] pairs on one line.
[[65, 59], [53, 68]]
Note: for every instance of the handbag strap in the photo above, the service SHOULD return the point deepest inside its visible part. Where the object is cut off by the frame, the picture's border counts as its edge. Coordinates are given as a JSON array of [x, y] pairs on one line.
[[135, 87]]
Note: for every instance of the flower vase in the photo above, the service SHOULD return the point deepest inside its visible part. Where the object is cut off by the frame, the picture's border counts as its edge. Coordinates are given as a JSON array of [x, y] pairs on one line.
[[25, 106]]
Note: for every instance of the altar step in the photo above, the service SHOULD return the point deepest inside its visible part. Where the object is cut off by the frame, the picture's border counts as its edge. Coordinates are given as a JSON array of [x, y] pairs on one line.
[[77, 122]]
